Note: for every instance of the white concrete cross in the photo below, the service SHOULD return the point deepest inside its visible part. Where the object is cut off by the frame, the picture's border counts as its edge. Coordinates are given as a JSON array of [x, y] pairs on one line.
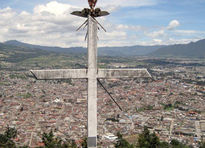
[[92, 73]]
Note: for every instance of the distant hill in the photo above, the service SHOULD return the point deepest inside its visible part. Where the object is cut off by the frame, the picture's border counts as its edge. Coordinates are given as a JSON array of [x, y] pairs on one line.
[[127, 50], [11, 53], [102, 51], [193, 49], [73, 50]]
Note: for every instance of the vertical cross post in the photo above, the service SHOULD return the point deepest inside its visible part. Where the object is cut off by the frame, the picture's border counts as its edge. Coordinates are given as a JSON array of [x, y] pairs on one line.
[[92, 83]]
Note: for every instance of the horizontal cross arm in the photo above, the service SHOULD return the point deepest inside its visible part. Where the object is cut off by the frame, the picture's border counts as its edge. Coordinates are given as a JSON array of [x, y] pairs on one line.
[[123, 73], [56, 74]]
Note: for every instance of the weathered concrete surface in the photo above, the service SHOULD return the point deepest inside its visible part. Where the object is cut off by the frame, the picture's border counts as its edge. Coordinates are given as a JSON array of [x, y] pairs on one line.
[[85, 73], [92, 83], [59, 74], [123, 73]]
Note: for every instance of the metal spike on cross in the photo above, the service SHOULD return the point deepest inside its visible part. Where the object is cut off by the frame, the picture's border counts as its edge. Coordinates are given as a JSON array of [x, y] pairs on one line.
[[92, 73]]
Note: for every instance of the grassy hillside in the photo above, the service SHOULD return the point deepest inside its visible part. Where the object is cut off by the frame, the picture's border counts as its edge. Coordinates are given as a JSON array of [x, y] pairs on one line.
[[191, 50], [14, 54]]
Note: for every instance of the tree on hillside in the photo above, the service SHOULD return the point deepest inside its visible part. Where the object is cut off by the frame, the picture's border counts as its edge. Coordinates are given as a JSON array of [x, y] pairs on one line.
[[84, 143], [50, 141], [122, 143], [202, 145], [176, 144], [6, 139], [147, 140]]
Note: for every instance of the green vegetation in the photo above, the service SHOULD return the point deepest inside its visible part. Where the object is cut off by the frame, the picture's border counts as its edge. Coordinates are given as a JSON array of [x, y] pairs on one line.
[[17, 58], [50, 141], [178, 105], [202, 145], [176, 144], [84, 143], [49, 61], [141, 109], [25, 95], [6, 139], [148, 107], [168, 107], [191, 50], [14, 54], [122, 143], [149, 140], [17, 76], [3, 83]]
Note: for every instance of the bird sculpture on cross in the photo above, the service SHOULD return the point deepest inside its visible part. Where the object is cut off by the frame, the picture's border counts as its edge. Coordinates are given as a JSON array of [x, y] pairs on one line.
[[92, 11], [92, 73], [92, 4]]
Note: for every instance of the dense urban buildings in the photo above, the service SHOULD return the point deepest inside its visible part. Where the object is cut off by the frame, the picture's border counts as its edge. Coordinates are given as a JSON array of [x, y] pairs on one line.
[[171, 104]]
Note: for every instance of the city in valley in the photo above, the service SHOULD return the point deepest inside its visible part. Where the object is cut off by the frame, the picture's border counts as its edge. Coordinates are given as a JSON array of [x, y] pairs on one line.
[[171, 103], [101, 73]]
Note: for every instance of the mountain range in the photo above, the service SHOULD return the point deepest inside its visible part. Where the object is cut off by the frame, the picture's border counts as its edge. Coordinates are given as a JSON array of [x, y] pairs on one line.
[[102, 51], [193, 49]]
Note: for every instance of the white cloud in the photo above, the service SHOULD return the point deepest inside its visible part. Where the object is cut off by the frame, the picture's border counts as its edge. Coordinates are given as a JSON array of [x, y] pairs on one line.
[[186, 31], [116, 3], [54, 8], [129, 27], [155, 34], [133, 3], [113, 5], [51, 24], [157, 41], [163, 31], [173, 24], [170, 35]]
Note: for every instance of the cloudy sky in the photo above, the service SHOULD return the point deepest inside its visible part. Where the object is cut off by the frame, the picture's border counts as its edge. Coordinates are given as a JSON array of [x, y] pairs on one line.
[[131, 22]]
